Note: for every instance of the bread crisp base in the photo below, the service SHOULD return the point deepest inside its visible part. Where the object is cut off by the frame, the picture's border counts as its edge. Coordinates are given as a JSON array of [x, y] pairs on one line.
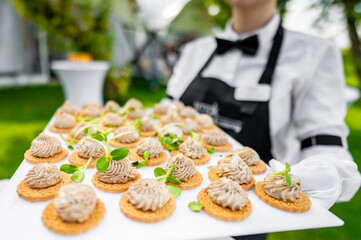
[[219, 212], [197, 161], [53, 222], [258, 168], [60, 130], [133, 155], [146, 216], [28, 156], [193, 182], [117, 144], [211, 128], [76, 160], [213, 176], [106, 128], [302, 204], [42, 194], [148, 133], [222, 148], [70, 138], [113, 187]]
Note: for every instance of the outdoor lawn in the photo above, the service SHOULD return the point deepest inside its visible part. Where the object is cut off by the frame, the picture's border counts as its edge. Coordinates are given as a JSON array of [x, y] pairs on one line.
[[25, 111]]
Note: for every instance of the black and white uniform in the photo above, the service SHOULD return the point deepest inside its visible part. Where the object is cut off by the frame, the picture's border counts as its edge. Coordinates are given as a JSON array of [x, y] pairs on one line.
[[286, 101]]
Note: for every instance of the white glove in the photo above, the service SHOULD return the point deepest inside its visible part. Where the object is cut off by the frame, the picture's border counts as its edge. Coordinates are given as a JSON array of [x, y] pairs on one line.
[[319, 178]]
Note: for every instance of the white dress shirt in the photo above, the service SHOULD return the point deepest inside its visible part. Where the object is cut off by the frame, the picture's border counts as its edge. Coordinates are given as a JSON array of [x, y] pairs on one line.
[[307, 98]]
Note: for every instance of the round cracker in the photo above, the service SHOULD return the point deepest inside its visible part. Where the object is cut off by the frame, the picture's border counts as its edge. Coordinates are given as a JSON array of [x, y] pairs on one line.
[[133, 155], [146, 216], [213, 176], [70, 138], [197, 161], [53, 222], [107, 128], [258, 168], [220, 212], [28, 156], [148, 133], [193, 182], [42, 194], [76, 160], [211, 128], [117, 144], [223, 148], [113, 187], [302, 204], [60, 130]]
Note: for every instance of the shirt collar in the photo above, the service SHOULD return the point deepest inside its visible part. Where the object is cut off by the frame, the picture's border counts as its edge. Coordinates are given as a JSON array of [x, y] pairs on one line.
[[265, 33]]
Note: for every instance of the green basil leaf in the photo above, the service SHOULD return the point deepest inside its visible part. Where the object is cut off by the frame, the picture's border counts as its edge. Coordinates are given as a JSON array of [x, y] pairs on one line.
[[195, 206], [146, 155], [86, 131], [78, 176], [174, 190], [97, 136], [172, 179], [167, 140], [119, 153], [102, 164], [210, 150], [195, 136], [69, 168], [288, 179], [141, 164], [158, 171], [173, 146]]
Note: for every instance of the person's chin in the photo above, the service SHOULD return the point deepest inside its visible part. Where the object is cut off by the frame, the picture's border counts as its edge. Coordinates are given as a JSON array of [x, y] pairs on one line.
[[244, 4]]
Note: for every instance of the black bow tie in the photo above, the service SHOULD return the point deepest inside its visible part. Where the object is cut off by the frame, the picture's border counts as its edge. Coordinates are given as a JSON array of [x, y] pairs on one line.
[[248, 45]]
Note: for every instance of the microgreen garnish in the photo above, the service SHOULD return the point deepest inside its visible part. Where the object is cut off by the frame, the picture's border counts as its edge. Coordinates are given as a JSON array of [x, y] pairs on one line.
[[286, 173], [209, 167], [195, 206], [154, 117], [116, 155], [170, 141], [195, 136], [165, 176], [174, 190], [210, 150], [77, 172], [139, 164], [136, 124]]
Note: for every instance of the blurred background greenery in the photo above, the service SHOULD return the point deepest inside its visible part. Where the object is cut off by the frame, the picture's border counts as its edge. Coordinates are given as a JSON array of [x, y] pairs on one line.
[[93, 27]]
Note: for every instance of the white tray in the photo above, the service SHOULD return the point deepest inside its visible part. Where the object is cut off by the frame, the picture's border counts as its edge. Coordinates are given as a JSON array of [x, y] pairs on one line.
[[20, 219]]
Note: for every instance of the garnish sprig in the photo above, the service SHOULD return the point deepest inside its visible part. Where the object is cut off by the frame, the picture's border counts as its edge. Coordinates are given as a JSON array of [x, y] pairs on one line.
[[165, 176], [72, 141], [77, 172], [195, 136], [139, 164], [286, 173], [195, 206], [117, 154], [170, 141]]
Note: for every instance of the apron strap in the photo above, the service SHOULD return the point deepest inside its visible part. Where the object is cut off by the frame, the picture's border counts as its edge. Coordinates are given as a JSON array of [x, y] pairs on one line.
[[267, 75]]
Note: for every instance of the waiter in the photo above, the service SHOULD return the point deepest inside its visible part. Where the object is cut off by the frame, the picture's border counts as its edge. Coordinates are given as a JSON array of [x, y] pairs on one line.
[[278, 91]]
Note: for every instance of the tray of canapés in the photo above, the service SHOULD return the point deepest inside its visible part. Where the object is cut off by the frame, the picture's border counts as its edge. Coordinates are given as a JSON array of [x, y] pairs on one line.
[[139, 139]]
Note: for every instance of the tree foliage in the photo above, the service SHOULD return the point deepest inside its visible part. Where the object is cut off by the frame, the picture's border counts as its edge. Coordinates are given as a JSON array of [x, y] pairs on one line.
[[72, 25]]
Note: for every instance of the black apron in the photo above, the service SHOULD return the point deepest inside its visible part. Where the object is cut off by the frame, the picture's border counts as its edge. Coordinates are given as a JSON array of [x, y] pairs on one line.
[[246, 121]]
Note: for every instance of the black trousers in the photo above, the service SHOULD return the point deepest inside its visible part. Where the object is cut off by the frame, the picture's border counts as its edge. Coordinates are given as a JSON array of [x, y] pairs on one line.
[[252, 237]]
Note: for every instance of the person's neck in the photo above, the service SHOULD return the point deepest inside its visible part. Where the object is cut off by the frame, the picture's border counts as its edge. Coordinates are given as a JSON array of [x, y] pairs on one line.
[[247, 20]]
